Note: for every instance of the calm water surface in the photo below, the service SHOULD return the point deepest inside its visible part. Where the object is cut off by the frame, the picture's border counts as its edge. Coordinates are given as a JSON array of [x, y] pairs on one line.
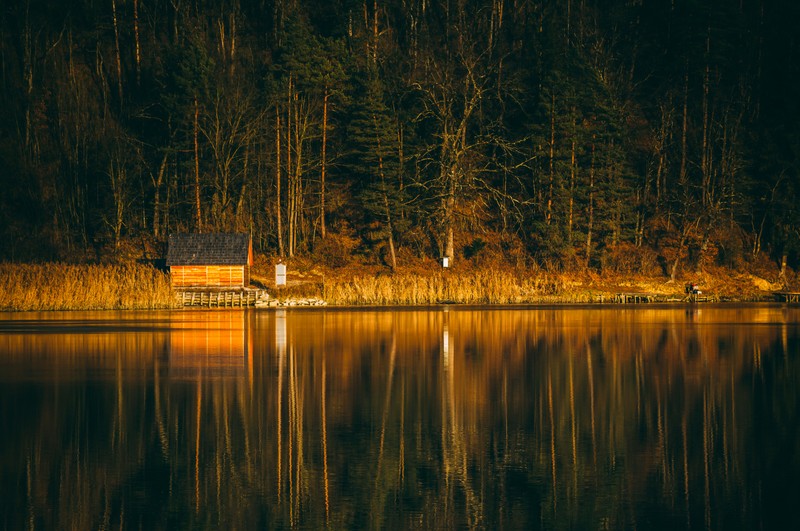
[[602, 418]]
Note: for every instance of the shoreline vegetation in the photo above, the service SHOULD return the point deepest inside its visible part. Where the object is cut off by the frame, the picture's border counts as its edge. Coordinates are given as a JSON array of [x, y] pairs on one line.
[[136, 286], [57, 286]]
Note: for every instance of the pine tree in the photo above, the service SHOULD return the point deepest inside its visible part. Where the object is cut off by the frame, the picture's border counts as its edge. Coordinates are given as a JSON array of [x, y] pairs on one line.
[[373, 163]]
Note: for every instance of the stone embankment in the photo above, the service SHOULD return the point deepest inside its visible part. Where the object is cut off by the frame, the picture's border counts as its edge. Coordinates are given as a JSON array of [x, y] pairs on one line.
[[290, 302]]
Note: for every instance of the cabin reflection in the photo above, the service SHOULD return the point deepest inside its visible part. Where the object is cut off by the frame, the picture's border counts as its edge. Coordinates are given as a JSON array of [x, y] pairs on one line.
[[214, 344]]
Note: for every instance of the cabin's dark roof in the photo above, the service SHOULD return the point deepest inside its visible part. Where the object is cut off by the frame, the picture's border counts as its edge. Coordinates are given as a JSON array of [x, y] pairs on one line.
[[208, 249]]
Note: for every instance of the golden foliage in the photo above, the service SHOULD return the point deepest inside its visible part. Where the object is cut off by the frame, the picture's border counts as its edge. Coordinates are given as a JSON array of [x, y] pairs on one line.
[[487, 286], [56, 286]]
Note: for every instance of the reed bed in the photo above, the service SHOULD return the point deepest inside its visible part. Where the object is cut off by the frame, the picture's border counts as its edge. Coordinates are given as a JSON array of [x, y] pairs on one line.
[[469, 287], [55, 286]]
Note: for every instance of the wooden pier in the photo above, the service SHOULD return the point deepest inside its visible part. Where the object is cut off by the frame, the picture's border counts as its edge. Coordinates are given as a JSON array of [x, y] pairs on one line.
[[635, 298], [646, 298], [697, 297], [792, 297], [222, 298]]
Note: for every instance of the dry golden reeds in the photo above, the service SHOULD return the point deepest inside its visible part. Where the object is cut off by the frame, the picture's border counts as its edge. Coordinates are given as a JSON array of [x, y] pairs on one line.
[[467, 287], [56, 286]]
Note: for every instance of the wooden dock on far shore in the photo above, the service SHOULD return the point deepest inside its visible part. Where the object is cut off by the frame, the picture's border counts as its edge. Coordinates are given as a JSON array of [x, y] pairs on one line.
[[792, 297], [222, 298], [645, 298], [635, 298]]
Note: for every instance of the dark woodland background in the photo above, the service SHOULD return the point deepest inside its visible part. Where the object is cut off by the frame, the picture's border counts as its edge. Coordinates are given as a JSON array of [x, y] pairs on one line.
[[635, 135]]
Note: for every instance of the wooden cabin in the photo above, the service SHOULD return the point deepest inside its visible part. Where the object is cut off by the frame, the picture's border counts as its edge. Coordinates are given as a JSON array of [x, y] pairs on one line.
[[217, 260]]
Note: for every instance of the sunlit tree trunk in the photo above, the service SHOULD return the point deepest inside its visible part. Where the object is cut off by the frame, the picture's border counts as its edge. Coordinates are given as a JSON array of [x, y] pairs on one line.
[[449, 216], [196, 127], [278, 216], [289, 179], [323, 163], [551, 172], [590, 211], [296, 183]]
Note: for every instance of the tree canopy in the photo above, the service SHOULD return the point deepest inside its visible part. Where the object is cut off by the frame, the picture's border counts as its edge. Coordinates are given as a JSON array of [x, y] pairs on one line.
[[587, 134]]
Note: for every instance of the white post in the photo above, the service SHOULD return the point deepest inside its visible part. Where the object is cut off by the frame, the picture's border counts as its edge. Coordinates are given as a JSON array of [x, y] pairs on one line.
[[280, 274]]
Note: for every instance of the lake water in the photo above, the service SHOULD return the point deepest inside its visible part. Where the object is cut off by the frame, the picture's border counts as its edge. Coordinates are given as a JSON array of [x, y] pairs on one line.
[[442, 418]]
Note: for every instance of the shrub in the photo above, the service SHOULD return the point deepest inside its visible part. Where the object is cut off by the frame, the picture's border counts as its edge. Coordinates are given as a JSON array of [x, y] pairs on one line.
[[628, 259], [335, 250]]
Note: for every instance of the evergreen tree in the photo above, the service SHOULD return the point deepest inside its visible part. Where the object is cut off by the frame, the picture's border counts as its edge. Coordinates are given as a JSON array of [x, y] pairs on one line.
[[374, 164]]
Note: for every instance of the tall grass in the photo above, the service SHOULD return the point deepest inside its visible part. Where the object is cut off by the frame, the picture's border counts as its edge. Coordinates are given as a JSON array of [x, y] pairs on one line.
[[469, 287], [55, 286]]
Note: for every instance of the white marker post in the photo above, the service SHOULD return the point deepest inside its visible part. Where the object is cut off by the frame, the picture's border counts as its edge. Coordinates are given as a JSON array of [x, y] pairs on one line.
[[280, 274]]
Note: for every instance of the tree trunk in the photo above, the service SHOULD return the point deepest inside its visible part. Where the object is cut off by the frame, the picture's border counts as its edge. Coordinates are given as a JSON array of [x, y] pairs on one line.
[[401, 165], [278, 217], [386, 206], [297, 189], [450, 203], [782, 275], [118, 178], [237, 223], [551, 173], [289, 179], [682, 177], [157, 181], [232, 55], [705, 157], [136, 42], [176, 8], [375, 32], [674, 270], [198, 217], [572, 171], [590, 213], [323, 162], [117, 50]]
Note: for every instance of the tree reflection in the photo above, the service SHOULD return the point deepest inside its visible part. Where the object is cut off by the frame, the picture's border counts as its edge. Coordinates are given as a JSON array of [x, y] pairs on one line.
[[534, 418]]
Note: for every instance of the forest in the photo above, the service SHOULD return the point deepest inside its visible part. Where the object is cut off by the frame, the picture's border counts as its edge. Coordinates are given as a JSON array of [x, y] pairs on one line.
[[622, 135]]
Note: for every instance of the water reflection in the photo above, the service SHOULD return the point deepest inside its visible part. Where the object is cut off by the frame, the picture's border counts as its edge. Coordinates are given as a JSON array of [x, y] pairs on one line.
[[516, 418]]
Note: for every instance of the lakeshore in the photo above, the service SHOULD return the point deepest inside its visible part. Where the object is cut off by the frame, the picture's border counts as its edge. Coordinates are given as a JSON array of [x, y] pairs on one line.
[[135, 286]]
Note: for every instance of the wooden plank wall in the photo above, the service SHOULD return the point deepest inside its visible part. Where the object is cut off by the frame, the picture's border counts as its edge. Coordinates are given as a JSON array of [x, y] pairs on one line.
[[210, 275]]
